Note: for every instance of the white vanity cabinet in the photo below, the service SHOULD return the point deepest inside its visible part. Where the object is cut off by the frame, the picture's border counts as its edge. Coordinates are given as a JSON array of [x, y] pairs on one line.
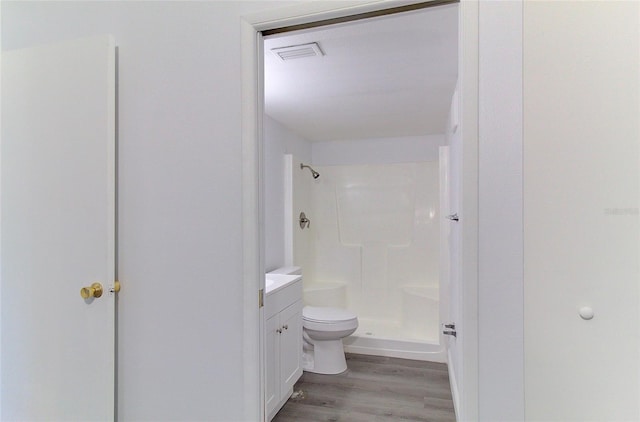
[[283, 326]]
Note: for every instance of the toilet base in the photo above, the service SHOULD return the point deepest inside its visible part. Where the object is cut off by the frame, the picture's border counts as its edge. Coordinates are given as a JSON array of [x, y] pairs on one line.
[[324, 357]]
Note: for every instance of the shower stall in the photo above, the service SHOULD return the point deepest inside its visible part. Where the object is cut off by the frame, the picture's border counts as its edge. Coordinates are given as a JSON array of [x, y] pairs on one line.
[[370, 243]]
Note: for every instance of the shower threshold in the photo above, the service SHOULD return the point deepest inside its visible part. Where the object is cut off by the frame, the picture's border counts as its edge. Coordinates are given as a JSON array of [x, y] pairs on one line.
[[382, 338]]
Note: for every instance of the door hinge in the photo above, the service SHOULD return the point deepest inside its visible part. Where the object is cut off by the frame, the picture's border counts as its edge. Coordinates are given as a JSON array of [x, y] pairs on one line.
[[450, 329], [260, 298], [453, 217]]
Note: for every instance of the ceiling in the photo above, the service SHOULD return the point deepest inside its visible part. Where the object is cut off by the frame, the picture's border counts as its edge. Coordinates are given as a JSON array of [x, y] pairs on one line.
[[382, 77]]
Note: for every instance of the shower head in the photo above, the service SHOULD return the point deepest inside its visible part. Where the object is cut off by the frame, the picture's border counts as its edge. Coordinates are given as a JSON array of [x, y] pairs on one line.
[[314, 173]]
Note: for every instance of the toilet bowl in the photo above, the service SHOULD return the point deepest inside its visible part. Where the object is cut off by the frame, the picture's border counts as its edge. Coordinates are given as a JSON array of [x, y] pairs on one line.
[[323, 330]]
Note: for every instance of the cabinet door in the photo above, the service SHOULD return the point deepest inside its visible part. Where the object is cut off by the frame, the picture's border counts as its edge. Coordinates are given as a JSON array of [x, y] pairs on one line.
[[272, 346], [291, 346]]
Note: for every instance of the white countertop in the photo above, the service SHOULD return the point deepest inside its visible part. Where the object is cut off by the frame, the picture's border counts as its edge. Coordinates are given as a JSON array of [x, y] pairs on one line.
[[275, 282]]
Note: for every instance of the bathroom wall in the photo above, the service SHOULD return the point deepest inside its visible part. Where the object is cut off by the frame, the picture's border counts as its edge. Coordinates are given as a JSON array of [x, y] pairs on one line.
[[299, 241], [377, 230], [406, 149], [279, 141]]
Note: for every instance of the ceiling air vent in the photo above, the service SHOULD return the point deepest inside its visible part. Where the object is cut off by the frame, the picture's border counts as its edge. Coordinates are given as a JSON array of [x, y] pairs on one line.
[[298, 51]]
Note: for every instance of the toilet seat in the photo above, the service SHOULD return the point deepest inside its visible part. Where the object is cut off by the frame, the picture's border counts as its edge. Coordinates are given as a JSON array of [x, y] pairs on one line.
[[327, 315], [328, 319]]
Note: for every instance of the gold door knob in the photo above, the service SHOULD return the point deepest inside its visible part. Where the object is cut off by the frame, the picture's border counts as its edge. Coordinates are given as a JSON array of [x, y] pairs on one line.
[[95, 290]]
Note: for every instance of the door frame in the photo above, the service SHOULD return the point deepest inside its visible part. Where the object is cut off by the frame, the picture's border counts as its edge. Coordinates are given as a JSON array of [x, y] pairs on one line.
[[253, 192]]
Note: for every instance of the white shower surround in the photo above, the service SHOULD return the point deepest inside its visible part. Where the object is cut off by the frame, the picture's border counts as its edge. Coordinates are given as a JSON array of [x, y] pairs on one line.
[[374, 238]]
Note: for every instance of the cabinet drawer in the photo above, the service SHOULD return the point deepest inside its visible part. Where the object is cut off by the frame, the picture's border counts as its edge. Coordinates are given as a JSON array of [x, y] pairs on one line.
[[283, 298]]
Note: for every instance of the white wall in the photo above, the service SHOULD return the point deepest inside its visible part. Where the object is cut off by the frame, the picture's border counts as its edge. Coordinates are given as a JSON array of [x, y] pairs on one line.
[[407, 149], [301, 241], [180, 245], [278, 141], [500, 271], [581, 197]]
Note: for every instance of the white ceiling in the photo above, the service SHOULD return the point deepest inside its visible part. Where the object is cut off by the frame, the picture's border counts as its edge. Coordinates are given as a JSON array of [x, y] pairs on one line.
[[383, 77]]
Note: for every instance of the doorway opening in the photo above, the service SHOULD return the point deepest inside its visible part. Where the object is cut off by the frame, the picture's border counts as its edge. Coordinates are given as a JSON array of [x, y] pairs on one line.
[[257, 221], [368, 104]]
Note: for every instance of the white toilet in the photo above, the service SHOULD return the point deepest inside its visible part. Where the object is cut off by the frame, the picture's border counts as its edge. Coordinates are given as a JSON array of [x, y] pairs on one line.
[[323, 329]]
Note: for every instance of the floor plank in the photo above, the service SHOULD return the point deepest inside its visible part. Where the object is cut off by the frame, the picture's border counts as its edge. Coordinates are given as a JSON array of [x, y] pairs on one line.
[[374, 388]]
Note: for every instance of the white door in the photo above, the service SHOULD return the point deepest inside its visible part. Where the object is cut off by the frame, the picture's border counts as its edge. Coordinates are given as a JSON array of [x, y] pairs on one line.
[[58, 231], [582, 219]]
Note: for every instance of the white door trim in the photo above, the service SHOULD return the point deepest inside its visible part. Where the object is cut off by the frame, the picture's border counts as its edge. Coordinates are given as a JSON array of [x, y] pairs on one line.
[[252, 224], [468, 83], [253, 190]]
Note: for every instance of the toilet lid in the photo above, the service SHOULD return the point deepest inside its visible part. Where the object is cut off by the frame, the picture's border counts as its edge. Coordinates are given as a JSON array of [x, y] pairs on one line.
[[328, 315]]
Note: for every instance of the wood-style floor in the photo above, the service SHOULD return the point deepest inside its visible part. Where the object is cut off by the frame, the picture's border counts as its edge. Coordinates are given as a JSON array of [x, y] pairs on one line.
[[374, 388]]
